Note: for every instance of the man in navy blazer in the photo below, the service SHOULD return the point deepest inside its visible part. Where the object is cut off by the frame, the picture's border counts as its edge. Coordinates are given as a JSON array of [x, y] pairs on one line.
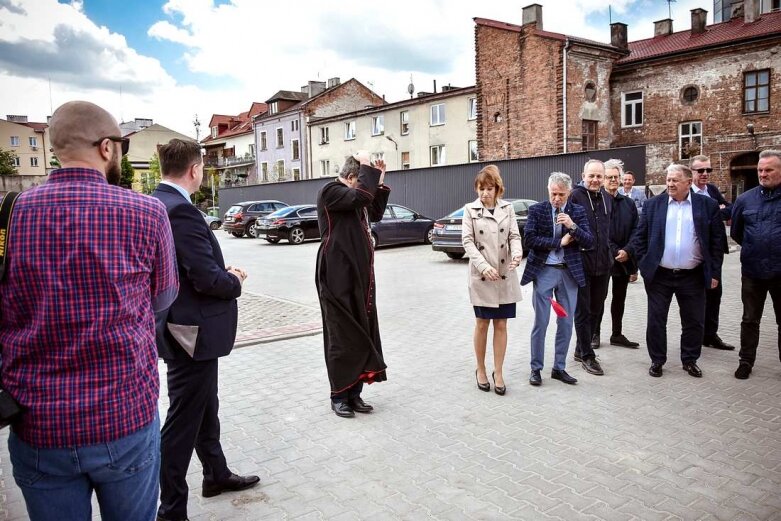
[[555, 232], [199, 328], [701, 170], [680, 247]]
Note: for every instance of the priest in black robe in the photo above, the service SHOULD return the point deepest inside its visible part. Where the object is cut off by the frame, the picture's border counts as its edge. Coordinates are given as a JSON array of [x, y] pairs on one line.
[[345, 281]]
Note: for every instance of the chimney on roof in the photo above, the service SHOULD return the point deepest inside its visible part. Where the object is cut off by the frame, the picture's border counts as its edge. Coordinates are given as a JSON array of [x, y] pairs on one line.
[[663, 27], [618, 36], [333, 82], [16, 119], [699, 19], [313, 88], [751, 10], [532, 14]]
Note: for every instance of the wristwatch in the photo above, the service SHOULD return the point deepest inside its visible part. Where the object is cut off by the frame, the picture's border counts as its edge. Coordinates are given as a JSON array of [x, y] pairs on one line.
[[573, 229]]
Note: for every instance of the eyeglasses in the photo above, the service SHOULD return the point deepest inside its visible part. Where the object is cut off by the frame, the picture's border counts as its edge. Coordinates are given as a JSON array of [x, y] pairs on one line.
[[703, 170], [125, 142], [611, 177]]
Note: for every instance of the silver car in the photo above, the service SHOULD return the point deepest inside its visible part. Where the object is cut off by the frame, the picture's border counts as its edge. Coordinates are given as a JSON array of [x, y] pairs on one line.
[[213, 222]]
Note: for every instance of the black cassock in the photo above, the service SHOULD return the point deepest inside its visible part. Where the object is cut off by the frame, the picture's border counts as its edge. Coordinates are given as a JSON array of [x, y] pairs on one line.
[[345, 279]]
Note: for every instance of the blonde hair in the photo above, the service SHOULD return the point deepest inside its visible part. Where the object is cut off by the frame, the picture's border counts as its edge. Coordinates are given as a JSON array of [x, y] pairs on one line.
[[489, 176]]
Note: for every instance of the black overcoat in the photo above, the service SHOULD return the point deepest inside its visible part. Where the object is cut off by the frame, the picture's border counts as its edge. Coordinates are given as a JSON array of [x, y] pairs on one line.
[[344, 277]]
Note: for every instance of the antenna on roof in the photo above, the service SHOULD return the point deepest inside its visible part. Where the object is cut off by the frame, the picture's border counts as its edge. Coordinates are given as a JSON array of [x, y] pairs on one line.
[[670, 8], [610, 13]]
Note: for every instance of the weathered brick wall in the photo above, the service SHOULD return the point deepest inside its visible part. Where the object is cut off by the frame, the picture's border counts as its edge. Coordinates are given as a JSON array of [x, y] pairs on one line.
[[719, 77], [584, 65], [350, 97]]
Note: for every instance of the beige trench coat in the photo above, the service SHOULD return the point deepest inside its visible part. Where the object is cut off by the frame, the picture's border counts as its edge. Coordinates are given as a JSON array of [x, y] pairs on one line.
[[491, 241]]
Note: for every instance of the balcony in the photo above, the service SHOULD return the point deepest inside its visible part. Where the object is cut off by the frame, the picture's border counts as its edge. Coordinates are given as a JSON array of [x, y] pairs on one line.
[[229, 162]]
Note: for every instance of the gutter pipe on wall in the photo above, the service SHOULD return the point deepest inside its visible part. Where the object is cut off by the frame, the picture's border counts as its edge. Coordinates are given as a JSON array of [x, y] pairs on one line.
[[564, 92]]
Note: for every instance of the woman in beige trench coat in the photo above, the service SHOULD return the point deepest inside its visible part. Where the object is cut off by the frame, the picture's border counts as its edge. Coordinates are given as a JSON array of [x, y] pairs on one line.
[[493, 244]]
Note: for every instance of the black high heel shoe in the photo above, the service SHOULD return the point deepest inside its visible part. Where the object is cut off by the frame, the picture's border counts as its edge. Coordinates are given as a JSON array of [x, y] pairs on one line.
[[498, 390], [483, 387]]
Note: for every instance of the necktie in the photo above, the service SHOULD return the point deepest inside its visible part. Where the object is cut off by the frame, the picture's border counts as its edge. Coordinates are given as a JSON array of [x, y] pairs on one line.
[[559, 229]]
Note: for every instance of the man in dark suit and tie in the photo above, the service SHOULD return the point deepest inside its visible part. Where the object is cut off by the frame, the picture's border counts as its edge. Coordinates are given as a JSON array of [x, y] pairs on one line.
[[701, 170], [199, 328], [680, 247]]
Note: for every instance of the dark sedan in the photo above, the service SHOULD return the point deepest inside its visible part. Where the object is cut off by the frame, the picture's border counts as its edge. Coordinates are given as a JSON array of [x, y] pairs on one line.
[[447, 230], [401, 225], [295, 223]]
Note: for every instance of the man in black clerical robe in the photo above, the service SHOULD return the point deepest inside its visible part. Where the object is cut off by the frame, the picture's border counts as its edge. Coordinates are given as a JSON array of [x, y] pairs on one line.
[[345, 281]]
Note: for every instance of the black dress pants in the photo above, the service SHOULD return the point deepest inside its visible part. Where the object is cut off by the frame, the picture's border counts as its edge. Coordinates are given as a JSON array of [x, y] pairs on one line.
[[620, 284], [348, 394], [754, 293], [688, 287], [191, 424], [588, 313], [712, 308]]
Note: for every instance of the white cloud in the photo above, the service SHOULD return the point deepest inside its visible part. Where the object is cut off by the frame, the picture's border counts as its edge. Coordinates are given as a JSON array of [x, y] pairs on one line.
[[166, 31]]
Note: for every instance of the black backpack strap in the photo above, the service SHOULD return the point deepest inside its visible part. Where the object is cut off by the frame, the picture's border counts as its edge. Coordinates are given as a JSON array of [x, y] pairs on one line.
[[6, 207]]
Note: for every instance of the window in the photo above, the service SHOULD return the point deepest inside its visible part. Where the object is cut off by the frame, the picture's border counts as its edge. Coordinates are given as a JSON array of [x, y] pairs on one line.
[[263, 141], [690, 139], [472, 109], [296, 151], [590, 91], [775, 5], [689, 94], [280, 169], [403, 213], [252, 149], [632, 113], [214, 132], [438, 155], [325, 168], [377, 156], [33, 161], [378, 125], [589, 135], [14, 141], [349, 130], [438, 114], [324, 135], [280, 138], [294, 125], [33, 141], [756, 91], [473, 151], [296, 174], [273, 108], [17, 161], [264, 172], [405, 160], [404, 116]]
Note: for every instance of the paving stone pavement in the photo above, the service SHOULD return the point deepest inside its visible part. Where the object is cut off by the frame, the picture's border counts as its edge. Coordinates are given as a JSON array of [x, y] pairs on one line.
[[624, 446], [263, 318]]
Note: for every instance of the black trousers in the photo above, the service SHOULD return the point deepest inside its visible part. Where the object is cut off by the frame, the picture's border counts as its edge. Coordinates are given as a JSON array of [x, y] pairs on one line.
[[712, 308], [191, 424], [688, 287], [348, 394], [620, 283], [754, 293], [588, 313]]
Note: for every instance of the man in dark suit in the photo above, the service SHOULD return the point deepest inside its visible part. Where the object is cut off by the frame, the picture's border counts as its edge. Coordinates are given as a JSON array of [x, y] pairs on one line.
[[199, 328], [701, 169], [680, 247], [555, 232]]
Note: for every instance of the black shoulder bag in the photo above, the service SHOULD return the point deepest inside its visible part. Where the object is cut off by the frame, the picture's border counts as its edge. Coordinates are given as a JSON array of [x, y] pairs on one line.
[[9, 408]]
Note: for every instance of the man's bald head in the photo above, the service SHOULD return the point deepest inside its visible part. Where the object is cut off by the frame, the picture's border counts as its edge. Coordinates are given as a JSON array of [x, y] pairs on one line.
[[75, 126]]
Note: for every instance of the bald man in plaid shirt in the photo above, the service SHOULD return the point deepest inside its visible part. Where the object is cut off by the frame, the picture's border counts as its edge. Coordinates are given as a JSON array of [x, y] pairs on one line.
[[77, 329]]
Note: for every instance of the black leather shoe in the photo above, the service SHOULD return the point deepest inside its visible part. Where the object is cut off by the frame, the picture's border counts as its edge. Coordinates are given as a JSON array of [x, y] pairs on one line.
[[563, 376], [577, 357], [621, 340], [592, 366], [483, 387], [232, 484], [358, 405], [595, 341], [692, 369], [342, 409], [718, 343], [655, 370], [744, 369], [535, 378], [498, 390]]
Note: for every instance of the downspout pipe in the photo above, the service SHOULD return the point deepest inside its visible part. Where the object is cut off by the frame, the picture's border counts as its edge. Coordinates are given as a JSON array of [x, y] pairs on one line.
[[564, 91]]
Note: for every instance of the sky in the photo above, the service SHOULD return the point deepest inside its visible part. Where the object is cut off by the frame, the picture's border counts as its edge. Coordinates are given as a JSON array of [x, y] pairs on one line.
[[172, 60]]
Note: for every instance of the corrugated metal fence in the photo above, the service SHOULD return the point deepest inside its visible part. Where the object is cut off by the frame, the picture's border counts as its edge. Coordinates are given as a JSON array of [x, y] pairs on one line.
[[435, 192]]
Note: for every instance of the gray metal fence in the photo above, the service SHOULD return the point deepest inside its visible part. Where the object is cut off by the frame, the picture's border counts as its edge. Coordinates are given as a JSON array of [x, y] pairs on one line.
[[435, 192]]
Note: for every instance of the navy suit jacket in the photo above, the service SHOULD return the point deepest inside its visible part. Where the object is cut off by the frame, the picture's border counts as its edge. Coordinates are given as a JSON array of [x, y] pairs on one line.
[[538, 234], [648, 241], [207, 293]]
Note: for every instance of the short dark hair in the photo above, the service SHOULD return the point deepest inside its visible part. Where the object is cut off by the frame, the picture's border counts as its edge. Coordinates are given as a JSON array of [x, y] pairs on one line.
[[177, 156]]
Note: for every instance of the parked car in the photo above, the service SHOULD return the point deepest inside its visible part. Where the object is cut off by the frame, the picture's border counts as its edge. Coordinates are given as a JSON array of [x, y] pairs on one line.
[[295, 223], [400, 225], [447, 230], [240, 218], [213, 222]]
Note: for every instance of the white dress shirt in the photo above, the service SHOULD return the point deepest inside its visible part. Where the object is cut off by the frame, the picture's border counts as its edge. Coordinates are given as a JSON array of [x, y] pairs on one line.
[[681, 245], [702, 191]]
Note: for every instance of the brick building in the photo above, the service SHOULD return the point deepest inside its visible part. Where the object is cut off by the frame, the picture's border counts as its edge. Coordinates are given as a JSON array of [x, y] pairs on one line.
[[709, 89]]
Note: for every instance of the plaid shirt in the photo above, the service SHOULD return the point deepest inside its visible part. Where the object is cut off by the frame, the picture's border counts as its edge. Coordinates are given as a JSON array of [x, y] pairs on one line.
[[88, 264]]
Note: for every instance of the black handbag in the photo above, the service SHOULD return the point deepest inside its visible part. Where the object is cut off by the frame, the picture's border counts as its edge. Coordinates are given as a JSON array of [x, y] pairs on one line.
[[10, 410]]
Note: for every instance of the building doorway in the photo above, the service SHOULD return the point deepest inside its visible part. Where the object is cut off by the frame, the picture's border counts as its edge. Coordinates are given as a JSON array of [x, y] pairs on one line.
[[743, 173]]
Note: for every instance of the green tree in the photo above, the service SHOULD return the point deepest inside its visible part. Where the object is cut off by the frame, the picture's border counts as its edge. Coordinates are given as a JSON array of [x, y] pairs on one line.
[[152, 178], [7, 162], [128, 173], [54, 162]]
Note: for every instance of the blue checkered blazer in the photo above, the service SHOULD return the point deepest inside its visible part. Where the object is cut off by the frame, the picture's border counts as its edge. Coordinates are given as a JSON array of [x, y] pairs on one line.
[[539, 239]]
